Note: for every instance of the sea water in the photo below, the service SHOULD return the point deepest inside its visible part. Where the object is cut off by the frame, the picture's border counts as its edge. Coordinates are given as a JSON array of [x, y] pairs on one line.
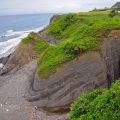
[[15, 27]]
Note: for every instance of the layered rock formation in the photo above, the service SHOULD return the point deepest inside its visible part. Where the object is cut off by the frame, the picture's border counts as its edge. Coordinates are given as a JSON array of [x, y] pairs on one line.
[[111, 55], [87, 72], [23, 54], [83, 74]]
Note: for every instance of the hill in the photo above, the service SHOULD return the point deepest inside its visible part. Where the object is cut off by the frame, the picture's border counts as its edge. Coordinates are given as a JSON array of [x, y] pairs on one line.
[[116, 6], [76, 53]]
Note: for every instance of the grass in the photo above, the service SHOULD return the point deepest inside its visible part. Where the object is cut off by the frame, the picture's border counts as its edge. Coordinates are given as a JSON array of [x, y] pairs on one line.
[[36, 41], [98, 105], [81, 32]]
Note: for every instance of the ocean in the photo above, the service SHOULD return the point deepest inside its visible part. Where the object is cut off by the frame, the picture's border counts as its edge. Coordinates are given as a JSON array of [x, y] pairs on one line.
[[15, 27]]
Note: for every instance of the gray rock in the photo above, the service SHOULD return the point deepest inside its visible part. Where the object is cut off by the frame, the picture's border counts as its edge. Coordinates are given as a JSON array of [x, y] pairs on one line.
[[87, 72], [83, 74]]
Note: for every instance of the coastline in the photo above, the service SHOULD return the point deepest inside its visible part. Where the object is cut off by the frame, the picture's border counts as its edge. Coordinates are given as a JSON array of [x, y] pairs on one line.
[[12, 49], [5, 56]]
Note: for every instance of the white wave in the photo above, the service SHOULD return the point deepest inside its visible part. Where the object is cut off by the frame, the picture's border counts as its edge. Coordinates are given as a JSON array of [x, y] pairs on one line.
[[7, 47], [12, 32]]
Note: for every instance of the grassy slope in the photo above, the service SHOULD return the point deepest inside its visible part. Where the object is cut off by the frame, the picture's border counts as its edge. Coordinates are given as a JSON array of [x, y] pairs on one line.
[[82, 32], [37, 42], [98, 105]]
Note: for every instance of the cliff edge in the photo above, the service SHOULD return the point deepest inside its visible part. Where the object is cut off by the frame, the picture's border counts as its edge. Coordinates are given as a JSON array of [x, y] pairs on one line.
[[86, 57]]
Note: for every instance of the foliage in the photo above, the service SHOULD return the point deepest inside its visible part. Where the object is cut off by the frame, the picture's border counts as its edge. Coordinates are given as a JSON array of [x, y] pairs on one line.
[[82, 32], [98, 105], [57, 27], [81, 106]]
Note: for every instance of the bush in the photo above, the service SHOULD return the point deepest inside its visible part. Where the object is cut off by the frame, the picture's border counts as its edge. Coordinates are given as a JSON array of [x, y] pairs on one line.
[[81, 106], [98, 105], [70, 48]]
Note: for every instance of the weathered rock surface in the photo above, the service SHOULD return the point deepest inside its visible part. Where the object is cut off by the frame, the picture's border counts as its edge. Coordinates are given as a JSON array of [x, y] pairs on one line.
[[111, 54], [23, 55], [49, 38], [4, 60], [85, 73]]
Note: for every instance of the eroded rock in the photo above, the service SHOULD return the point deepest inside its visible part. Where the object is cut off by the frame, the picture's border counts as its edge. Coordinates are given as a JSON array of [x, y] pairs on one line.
[[83, 74]]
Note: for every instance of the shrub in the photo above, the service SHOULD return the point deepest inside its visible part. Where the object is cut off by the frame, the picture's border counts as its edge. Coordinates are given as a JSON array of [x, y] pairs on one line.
[[81, 106], [98, 105]]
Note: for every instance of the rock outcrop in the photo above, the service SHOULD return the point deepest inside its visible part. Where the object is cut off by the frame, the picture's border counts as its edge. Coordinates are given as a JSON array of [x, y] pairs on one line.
[[111, 54], [83, 74], [23, 55], [87, 72]]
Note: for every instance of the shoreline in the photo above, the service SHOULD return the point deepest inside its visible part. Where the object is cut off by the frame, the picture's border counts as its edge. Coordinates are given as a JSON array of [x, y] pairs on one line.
[[16, 41]]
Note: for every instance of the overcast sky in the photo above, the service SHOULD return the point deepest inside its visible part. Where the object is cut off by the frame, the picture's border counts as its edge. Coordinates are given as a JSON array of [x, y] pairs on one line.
[[51, 6]]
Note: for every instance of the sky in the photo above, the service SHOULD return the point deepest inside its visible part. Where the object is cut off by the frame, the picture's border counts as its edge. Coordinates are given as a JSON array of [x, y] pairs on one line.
[[51, 6]]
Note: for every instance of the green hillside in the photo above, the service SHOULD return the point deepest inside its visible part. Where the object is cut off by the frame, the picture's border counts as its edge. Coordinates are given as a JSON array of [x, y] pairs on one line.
[[81, 32]]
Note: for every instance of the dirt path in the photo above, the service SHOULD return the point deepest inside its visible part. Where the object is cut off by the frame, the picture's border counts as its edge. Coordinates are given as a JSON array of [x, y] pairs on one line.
[[13, 105]]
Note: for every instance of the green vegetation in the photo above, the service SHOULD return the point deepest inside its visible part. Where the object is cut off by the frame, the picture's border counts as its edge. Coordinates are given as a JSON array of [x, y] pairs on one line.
[[37, 42], [114, 12], [81, 32], [98, 105]]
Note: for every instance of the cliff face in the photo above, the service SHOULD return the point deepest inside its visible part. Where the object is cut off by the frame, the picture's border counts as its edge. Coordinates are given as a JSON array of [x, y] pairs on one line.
[[23, 54], [86, 72], [111, 54], [81, 75]]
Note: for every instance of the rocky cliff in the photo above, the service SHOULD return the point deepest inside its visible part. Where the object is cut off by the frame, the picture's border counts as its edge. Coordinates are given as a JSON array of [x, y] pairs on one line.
[[76, 55], [88, 71], [23, 54]]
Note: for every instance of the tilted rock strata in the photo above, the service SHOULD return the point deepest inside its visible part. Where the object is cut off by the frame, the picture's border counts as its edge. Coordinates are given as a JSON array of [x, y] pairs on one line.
[[83, 74], [23, 55], [111, 54], [87, 72]]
